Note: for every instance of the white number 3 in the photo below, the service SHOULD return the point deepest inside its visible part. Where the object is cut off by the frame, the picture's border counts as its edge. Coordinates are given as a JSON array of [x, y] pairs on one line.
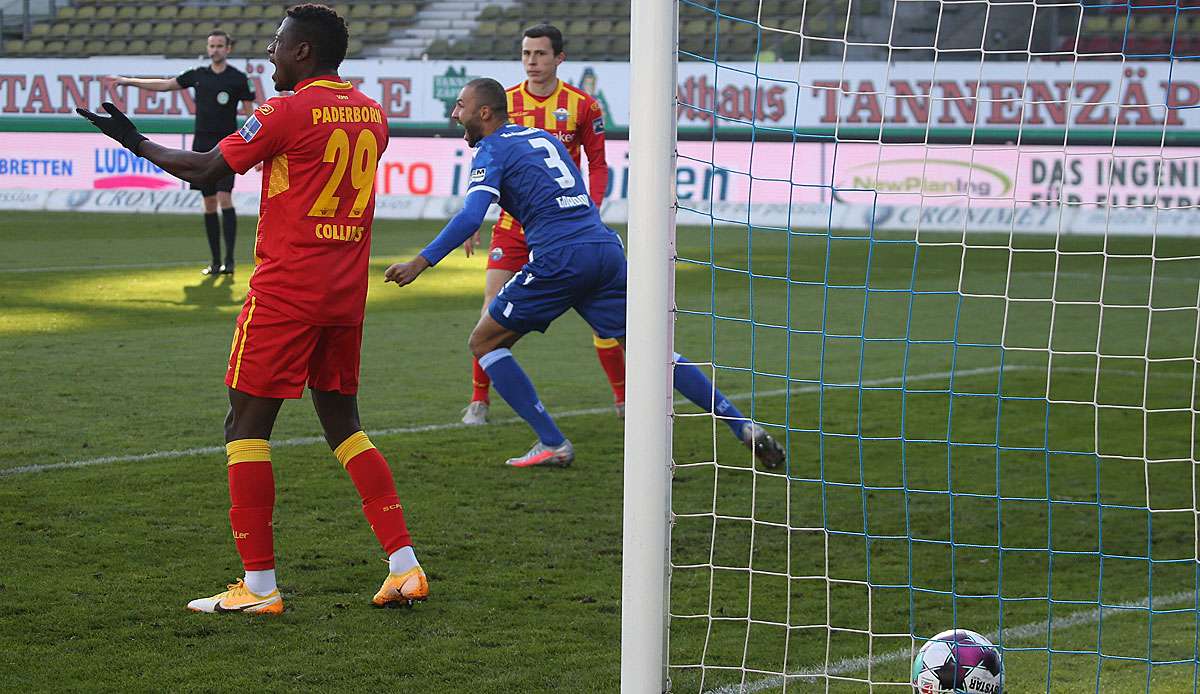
[[567, 179]]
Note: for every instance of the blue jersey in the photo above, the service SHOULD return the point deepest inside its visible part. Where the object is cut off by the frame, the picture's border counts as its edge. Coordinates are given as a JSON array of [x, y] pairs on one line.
[[536, 181]]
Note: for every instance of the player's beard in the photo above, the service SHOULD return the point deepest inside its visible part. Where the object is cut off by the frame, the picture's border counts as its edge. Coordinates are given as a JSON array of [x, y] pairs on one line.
[[473, 135]]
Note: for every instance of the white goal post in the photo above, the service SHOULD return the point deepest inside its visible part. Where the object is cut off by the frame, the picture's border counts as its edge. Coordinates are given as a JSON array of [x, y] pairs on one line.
[[649, 346]]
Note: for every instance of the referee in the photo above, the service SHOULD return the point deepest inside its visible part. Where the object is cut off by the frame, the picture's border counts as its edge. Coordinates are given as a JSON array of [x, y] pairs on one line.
[[219, 88]]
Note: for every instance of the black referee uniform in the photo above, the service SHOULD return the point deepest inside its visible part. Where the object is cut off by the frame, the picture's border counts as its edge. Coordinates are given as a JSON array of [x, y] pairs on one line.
[[218, 95]]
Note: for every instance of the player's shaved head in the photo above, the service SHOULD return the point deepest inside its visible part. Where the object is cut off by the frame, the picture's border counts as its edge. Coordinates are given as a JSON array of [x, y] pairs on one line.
[[481, 109], [488, 92]]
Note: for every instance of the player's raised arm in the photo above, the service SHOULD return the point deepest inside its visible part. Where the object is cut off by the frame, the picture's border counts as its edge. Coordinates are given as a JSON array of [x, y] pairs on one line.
[[195, 167], [457, 231]]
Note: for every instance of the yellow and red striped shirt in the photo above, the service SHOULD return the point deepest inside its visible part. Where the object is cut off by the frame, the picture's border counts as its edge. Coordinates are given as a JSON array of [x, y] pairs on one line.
[[575, 118]]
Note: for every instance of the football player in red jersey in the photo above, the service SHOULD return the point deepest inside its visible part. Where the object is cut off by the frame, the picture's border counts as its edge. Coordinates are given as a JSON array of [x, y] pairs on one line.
[[576, 119], [302, 321]]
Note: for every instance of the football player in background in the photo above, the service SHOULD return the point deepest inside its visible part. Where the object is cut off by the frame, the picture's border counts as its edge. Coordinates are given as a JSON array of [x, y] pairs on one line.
[[576, 263], [576, 119], [302, 321]]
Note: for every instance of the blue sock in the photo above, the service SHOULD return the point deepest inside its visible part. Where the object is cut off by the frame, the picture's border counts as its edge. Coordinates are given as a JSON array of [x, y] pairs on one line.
[[695, 386], [514, 386]]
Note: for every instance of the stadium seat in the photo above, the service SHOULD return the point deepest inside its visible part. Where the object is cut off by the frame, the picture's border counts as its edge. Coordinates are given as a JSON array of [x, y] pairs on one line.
[[12, 47], [354, 48], [188, 13], [358, 11], [404, 11], [104, 13], [134, 47], [516, 13], [68, 13], [1147, 23], [210, 13], [620, 47], [179, 47], [40, 30], [143, 30], [381, 12], [33, 47], [376, 29], [491, 12], [53, 47], [438, 49], [168, 13], [79, 30], [127, 12], [101, 46], [561, 10], [156, 47], [60, 31], [245, 31], [1095, 24], [120, 29], [230, 12]]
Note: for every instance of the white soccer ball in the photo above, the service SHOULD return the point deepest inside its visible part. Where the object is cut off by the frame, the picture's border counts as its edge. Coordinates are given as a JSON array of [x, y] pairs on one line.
[[958, 661]]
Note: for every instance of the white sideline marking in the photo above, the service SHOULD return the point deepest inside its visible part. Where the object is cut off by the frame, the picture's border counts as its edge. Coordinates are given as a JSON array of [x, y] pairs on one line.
[[307, 440], [1024, 631], [83, 268]]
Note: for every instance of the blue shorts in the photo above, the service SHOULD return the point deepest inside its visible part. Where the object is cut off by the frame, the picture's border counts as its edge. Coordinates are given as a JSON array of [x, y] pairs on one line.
[[588, 277]]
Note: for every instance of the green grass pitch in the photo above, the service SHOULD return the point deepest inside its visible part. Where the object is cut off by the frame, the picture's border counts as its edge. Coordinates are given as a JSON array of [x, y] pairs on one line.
[[113, 348]]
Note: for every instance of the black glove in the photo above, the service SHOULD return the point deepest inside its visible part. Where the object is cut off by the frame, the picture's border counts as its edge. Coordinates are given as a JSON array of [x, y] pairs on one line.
[[116, 125]]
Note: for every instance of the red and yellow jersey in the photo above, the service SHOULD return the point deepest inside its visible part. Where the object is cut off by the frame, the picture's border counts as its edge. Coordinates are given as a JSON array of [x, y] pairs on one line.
[[575, 118], [320, 146]]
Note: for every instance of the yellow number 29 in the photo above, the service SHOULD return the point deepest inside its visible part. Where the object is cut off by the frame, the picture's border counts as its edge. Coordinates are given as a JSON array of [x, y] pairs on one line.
[[362, 163]]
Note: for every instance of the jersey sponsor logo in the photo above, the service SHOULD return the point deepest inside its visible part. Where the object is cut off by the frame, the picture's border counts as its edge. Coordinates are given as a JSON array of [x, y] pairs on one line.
[[250, 128], [598, 126], [265, 110], [477, 175], [561, 114], [222, 98], [566, 137], [566, 202]]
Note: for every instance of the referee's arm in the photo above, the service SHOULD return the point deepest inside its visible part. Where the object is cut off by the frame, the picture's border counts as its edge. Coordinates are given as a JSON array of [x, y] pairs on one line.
[[154, 84]]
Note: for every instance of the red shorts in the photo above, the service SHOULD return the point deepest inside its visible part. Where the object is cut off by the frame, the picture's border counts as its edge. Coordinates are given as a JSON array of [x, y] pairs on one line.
[[508, 250], [274, 355]]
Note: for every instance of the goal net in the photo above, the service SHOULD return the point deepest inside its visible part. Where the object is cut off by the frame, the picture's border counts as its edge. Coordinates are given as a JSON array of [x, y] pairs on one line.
[[947, 252]]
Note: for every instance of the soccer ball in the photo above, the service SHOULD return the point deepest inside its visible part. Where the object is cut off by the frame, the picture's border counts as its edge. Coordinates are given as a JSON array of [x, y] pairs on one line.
[[958, 661]]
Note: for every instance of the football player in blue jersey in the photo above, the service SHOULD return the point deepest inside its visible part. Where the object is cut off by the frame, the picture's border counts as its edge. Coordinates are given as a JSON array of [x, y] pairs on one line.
[[575, 262]]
